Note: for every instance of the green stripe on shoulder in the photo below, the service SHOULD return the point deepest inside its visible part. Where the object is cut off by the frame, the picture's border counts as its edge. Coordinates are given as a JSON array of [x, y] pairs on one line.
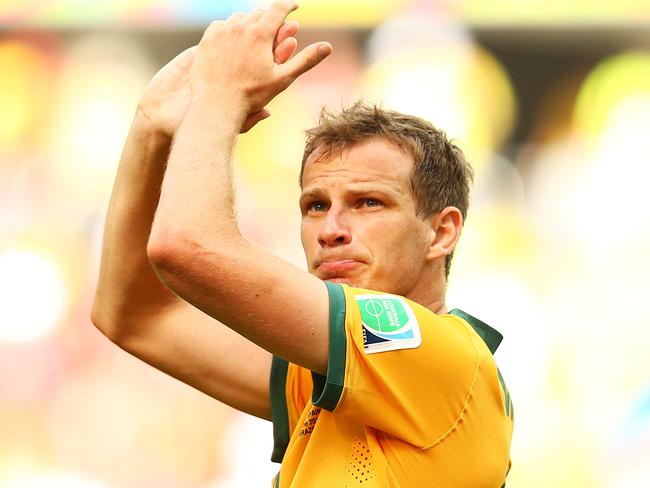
[[327, 390], [279, 412]]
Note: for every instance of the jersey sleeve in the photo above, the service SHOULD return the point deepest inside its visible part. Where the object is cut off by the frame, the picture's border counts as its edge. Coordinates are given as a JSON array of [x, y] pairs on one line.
[[398, 367], [290, 388]]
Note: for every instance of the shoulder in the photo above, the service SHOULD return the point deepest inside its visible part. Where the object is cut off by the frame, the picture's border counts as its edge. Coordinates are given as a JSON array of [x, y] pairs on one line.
[[389, 322]]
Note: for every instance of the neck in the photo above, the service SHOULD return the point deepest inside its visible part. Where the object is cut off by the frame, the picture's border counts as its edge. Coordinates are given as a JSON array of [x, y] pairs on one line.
[[431, 295], [436, 304], [438, 307]]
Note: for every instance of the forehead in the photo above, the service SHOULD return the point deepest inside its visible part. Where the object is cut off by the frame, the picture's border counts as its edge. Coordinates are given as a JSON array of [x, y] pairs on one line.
[[373, 160]]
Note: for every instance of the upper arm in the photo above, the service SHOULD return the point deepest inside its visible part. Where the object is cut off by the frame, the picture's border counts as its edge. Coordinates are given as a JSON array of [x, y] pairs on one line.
[[279, 307], [196, 349]]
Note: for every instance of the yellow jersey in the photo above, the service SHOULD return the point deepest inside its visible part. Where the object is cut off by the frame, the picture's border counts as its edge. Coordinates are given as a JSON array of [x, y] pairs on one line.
[[411, 399]]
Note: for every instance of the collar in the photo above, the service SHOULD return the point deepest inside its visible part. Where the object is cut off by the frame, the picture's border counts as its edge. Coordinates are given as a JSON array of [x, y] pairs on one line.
[[490, 336]]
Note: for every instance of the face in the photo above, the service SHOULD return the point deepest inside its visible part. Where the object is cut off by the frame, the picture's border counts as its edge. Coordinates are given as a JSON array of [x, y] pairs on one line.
[[359, 221]]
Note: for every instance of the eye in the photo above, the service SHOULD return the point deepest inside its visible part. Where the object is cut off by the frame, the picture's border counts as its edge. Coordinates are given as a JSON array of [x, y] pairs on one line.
[[317, 206], [372, 202]]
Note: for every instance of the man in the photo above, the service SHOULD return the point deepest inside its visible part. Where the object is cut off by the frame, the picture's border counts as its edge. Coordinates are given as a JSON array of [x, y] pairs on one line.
[[366, 377]]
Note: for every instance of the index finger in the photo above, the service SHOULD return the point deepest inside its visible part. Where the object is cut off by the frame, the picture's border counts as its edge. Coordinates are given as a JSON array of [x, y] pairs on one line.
[[275, 16]]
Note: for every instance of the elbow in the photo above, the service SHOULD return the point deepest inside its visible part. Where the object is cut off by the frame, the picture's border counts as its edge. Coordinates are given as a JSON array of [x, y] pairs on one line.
[[178, 252], [185, 260], [172, 255], [100, 319], [113, 313], [113, 324], [165, 251], [96, 317]]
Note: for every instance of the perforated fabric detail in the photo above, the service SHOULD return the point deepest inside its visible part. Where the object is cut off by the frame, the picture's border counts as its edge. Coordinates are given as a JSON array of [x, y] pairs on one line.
[[359, 466]]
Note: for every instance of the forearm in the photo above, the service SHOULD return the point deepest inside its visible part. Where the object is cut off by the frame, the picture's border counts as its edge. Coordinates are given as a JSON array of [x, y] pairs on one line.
[[197, 199], [127, 284], [195, 240], [195, 244]]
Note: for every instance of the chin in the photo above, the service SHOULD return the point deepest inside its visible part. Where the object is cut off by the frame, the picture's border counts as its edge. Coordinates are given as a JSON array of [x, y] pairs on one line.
[[344, 281]]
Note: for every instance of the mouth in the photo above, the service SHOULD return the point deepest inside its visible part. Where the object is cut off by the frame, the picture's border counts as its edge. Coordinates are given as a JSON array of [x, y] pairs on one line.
[[337, 270]]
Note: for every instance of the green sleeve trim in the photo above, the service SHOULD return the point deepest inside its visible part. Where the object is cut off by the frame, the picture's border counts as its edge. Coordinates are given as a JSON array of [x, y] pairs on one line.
[[279, 412], [327, 390], [490, 336]]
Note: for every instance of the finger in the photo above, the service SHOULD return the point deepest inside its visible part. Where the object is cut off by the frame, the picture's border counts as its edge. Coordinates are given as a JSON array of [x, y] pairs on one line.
[[237, 16], [304, 61], [186, 57], [255, 15], [285, 50], [275, 16], [252, 120], [288, 29]]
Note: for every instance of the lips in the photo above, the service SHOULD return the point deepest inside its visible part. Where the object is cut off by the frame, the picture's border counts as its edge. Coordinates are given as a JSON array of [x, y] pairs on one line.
[[336, 268]]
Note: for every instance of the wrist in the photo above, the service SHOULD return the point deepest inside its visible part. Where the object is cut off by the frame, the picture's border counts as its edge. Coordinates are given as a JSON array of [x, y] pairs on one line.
[[222, 109], [145, 128]]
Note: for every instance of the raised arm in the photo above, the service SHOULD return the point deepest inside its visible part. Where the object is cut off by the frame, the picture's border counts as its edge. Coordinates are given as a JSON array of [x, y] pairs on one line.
[[195, 243], [131, 306]]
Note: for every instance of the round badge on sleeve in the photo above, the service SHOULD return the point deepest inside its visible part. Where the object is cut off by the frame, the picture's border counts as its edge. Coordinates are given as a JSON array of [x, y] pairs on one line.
[[389, 323]]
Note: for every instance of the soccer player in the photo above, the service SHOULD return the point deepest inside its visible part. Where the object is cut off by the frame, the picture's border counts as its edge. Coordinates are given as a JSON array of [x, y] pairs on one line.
[[368, 379]]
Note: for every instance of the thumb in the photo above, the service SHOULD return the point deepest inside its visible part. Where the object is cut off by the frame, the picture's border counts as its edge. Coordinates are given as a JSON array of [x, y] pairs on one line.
[[253, 119], [305, 60]]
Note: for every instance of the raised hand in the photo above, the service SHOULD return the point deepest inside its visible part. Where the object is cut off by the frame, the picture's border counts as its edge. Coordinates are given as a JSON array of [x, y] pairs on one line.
[[167, 96], [236, 66]]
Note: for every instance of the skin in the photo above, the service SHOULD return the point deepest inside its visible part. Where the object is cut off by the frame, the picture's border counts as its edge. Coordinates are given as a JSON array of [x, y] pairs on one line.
[[179, 286], [359, 223], [132, 307]]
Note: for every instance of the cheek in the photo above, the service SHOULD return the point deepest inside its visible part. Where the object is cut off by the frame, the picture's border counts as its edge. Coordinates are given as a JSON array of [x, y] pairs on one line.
[[403, 253], [307, 239]]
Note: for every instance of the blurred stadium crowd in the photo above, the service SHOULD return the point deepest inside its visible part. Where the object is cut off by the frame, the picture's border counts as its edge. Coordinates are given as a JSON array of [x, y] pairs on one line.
[[554, 253]]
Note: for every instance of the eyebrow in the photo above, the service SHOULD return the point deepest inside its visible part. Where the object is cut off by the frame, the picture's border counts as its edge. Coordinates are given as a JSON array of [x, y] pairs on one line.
[[312, 193], [356, 190]]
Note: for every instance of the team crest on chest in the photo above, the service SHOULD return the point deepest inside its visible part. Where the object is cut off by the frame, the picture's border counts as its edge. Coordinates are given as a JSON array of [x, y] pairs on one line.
[[389, 323]]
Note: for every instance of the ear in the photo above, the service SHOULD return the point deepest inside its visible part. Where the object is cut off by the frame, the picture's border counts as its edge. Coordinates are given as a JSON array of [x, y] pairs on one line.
[[445, 226]]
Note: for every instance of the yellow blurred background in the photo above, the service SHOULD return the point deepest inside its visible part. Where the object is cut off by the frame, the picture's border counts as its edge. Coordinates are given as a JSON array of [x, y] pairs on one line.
[[551, 101]]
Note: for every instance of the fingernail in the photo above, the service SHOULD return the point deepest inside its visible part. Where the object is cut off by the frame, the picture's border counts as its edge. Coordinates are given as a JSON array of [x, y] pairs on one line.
[[324, 49]]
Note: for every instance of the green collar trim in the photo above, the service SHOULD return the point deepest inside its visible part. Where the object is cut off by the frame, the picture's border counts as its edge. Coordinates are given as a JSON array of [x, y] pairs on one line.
[[490, 336]]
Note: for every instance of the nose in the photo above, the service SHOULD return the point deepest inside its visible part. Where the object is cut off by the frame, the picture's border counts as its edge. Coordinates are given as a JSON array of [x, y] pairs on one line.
[[333, 230]]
